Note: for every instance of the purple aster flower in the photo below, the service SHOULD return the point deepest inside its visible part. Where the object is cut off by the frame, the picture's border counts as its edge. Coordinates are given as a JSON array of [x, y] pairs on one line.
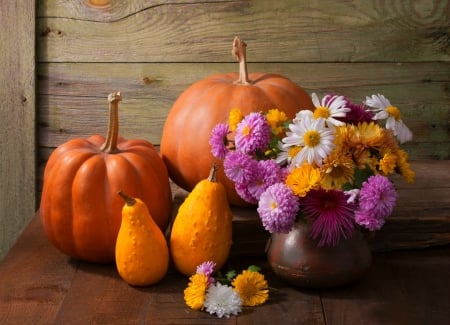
[[377, 200], [207, 268], [357, 114], [268, 172], [278, 207], [239, 167], [367, 220], [252, 133], [219, 141], [244, 193], [333, 217]]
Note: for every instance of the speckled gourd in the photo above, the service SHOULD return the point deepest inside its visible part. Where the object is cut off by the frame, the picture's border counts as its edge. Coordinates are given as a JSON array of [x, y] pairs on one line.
[[142, 254], [202, 229]]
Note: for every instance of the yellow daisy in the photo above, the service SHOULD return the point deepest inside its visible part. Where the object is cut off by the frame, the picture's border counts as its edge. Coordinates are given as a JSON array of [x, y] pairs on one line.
[[195, 292], [404, 166], [337, 170], [303, 179], [252, 288], [234, 117], [276, 118], [388, 163]]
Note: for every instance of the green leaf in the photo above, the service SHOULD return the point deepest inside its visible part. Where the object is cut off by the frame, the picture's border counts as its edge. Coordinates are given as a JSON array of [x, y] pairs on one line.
[[254, 268]]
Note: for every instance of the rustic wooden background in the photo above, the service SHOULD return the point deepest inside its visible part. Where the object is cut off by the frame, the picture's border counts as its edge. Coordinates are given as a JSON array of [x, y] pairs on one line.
[[153, 50], [17, 119]]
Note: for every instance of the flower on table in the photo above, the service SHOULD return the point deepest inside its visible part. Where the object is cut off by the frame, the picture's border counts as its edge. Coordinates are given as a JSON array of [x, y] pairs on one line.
[[225, 296], [222, 300], [252, 288], [194, 294]]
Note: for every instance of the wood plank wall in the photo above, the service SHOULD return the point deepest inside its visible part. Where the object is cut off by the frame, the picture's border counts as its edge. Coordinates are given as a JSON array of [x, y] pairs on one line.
[[17, 118], [153, 50]]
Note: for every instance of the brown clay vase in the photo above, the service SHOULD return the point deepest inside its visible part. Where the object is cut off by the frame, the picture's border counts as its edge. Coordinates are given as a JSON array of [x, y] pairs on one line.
[[297, 259]]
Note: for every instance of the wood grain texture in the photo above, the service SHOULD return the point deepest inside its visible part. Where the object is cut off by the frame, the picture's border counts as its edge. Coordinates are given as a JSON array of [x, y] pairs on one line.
[[40, 285], [17, 117], [280, 31], [72, 96]]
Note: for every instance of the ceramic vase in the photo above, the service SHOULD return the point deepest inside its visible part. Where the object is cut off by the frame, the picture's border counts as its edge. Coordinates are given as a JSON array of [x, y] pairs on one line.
[[296, 258]]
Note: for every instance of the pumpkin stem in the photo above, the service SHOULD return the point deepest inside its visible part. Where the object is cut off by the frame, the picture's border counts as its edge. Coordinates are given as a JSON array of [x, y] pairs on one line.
[[239, 52], [128, 199], [110, 144], [213, 173]]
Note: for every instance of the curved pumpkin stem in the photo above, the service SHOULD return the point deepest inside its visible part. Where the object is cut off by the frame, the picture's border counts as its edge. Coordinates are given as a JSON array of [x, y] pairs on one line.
[[110, 144], [239, 52], [128, 199], [213, 174]]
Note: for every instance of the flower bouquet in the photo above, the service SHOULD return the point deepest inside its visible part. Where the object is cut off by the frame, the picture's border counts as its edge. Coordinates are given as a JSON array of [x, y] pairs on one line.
[[328, 167], [225, 295]]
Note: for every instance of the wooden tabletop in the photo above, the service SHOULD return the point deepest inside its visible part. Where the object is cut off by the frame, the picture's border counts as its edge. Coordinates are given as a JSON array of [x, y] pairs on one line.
[[40, 285]]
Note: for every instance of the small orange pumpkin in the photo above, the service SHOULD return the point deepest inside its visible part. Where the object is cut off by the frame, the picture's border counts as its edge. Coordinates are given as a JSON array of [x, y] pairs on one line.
[[185, 139], [80, 210]]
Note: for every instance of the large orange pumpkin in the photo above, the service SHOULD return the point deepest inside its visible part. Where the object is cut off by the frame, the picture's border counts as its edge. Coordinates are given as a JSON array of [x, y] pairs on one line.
[[185, 140], [80, 210]]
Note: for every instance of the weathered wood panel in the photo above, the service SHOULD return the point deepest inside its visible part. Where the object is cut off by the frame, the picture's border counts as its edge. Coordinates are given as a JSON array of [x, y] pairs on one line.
[[72, 96], [17, 118], [278, 31]]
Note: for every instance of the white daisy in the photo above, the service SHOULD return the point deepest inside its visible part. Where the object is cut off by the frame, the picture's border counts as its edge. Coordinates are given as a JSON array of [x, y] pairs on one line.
[[315, 139], [384, 110], [305, 113], [330, 108], [222, 300]]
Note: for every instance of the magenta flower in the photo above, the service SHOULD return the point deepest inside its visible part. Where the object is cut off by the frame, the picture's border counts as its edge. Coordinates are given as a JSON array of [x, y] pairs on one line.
[[332, 216], [268, 172], [239, 167], [357, 114], [278, 207], [207, 268], [219, 141], [252, 133], [377, 200], [243, 191]]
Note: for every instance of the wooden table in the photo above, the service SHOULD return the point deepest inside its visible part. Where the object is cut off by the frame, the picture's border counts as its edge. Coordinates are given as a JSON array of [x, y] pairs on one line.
[[40, 285]]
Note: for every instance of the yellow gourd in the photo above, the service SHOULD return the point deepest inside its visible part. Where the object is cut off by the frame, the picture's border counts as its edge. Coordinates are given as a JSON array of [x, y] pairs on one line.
[[202, 228], [142, 254]]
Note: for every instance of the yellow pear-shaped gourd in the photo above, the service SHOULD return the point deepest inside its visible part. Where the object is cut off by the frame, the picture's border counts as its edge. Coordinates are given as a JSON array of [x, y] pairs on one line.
[[142, 254], [202, 228]]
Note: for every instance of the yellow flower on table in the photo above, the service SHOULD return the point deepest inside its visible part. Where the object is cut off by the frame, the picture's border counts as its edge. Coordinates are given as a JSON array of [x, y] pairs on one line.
[[252, 288]]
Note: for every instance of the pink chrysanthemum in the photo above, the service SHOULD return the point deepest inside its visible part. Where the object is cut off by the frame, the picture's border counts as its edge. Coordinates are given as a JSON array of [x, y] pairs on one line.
[[219, 141], [377, 200], [357, 113], [207, 268], [243, 191], [332, 216], [278, 207], [268, 172], [252, 133], [239, 167]]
